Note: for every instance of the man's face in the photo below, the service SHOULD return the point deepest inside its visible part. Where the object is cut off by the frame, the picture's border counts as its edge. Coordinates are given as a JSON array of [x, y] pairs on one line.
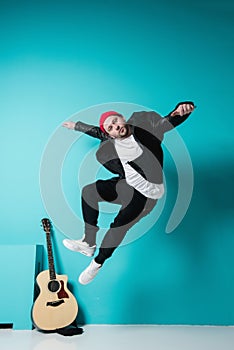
[[116, 126]]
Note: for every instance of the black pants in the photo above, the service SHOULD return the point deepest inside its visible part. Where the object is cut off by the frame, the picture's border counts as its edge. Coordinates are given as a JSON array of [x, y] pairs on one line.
[[134, 206]]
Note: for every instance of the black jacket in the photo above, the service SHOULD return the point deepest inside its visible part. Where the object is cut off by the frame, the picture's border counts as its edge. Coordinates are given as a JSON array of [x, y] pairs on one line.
[[148, 129]]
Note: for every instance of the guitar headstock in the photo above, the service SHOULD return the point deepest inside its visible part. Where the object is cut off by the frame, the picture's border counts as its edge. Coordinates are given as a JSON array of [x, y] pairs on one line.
[[46, 225]]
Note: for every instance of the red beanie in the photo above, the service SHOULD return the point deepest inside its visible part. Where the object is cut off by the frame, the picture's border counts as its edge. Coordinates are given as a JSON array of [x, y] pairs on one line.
[[104, 116]]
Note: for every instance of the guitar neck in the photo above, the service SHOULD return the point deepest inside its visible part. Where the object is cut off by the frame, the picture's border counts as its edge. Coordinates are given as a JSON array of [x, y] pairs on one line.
[[50, 256]]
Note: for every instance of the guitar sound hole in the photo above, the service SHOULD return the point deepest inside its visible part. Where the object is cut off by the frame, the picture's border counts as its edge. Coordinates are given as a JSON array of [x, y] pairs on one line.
[[53, 286]]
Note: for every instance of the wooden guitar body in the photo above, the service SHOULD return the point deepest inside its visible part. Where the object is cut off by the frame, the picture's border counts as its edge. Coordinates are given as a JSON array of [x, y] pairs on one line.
[[55, 306]]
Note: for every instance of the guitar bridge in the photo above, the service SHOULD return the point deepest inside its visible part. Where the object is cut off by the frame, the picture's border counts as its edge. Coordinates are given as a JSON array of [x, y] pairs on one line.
[[54, 303]]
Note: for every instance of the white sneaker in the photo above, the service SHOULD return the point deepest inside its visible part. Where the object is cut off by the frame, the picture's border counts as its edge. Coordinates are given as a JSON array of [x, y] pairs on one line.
[[89, 273], [79, 246]]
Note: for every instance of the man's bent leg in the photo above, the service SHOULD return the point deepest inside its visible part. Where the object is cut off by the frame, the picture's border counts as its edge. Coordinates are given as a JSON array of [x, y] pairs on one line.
[[87, 245], [128, 216], [102, 190], [89, 203]]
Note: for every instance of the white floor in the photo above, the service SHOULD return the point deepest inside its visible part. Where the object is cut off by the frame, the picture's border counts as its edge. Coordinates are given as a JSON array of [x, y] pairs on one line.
[[107, 337]]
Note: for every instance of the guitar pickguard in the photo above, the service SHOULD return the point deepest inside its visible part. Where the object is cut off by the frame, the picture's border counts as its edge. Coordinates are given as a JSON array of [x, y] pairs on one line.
[[62, 293]]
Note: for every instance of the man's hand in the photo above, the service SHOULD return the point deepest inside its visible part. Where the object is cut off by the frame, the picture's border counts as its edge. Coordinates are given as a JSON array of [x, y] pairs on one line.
[[184, 108], [69, 125]]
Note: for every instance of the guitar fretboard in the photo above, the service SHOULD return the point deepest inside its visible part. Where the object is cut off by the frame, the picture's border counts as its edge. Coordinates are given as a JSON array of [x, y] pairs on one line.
[[50, 256]]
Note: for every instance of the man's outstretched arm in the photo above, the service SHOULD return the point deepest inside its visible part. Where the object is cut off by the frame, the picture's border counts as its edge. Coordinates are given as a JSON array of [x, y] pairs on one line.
[[180, 113], [176, 117], [88, 129]]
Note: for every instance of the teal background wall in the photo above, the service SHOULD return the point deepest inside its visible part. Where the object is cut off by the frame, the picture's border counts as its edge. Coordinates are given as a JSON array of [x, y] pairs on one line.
[[61, 57]]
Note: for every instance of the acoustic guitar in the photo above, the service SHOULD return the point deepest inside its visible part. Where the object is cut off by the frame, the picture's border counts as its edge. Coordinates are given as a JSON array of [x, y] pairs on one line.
[[55, 307]]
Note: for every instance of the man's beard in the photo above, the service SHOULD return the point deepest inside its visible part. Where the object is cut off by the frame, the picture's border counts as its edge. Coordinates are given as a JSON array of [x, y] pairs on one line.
[[126, 131]]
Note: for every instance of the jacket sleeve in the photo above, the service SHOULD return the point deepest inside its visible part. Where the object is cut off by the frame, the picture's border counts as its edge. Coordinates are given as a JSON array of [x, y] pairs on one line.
[[145, 119], [91, 130], [168, 122]]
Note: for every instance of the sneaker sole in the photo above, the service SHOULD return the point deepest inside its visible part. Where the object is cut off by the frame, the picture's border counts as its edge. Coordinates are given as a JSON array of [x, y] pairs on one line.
[[84, 282], [76, 249], [85, 273]]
